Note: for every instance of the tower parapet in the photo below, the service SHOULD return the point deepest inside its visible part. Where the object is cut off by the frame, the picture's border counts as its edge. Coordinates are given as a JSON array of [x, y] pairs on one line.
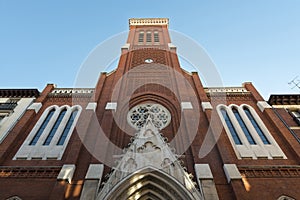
[[148, 21]]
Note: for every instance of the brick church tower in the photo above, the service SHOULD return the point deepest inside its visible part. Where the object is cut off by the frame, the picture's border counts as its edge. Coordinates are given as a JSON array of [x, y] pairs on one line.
[[148, 130]]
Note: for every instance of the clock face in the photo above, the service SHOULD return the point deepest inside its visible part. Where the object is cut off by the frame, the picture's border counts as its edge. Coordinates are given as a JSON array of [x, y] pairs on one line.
[[148, 60]]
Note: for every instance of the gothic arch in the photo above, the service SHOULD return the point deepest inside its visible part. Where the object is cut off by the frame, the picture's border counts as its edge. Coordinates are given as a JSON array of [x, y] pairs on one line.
[[284, 197], [148, 182], [14, 198]]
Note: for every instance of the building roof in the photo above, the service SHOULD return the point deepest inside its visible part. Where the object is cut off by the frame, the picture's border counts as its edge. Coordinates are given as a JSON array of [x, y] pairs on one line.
[[19, 93], [284, 99]]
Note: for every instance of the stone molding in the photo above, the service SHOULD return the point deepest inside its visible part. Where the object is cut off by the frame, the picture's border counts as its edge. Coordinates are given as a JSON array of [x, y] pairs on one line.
[[148, 21]]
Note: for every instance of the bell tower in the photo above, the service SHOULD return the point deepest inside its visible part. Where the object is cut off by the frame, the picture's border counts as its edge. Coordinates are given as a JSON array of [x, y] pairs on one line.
[[153, 98], [145, 33]]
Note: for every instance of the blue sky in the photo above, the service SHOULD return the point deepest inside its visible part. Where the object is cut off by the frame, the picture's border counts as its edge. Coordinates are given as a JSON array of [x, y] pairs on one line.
[[47, 41]]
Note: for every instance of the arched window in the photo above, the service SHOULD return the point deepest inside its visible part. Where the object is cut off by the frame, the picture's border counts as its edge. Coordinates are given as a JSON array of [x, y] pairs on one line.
[[55, 126], [67, 128], [141, 36], [14, 198], [148, 37], [49, 137], [248, 135], [156, 36], [256, 126], [284, 197], [230, 126], [42, 127], [243, 126]]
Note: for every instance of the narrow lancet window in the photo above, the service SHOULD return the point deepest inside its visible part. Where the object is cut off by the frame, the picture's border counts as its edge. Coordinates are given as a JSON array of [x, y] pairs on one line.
[[231, 128], [256, 126], [67, 128], [156, 37], [148, 37], [141, 37], [42, 128], [54, 128], [243, 126]]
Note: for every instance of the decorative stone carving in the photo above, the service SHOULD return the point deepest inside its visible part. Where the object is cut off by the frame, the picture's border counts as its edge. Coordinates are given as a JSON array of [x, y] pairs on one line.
[[159, 116], [226, 90], [149, 151], [148, 21]]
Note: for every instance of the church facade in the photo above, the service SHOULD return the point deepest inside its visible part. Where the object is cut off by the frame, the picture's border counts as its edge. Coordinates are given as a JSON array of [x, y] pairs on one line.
[[149, 130]]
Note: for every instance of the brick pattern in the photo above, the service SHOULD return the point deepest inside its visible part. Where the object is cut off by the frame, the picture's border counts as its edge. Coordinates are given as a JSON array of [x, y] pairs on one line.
[[29, 172], [275, 172], [139, 56]]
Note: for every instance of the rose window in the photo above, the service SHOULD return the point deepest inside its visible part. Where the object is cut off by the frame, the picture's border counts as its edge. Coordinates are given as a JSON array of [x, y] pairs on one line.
[[158, 114]]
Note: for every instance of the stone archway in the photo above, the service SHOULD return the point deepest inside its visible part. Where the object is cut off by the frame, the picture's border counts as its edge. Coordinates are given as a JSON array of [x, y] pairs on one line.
[[149, 183]]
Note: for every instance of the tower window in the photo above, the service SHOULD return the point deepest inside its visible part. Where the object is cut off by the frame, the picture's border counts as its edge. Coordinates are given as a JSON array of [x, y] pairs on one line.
[[256, 126], [141, 37], [156, 37], [231, 128], [148, 37]]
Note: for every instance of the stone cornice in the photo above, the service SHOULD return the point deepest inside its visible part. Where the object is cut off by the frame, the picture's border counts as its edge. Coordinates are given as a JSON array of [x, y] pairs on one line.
[[284, 99], [72, 92], [148, 21]]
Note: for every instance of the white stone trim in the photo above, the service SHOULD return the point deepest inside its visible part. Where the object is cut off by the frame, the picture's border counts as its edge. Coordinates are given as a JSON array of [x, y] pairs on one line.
[[66, 172], [3, 100], [231, 172], [247, 150], [205, 182], [295, 127], [14, 198], [125, 46], [262, 105], [206, 106], [236, 148], [72, 91], [172, 46], [51, 151], [186, 105], [148, 21], [111, 106], [7, 123], [95, 171], [35, 106], [91, 106], [284, 197], [203, 171], [241, 90], [287, 106], [273, 148]]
